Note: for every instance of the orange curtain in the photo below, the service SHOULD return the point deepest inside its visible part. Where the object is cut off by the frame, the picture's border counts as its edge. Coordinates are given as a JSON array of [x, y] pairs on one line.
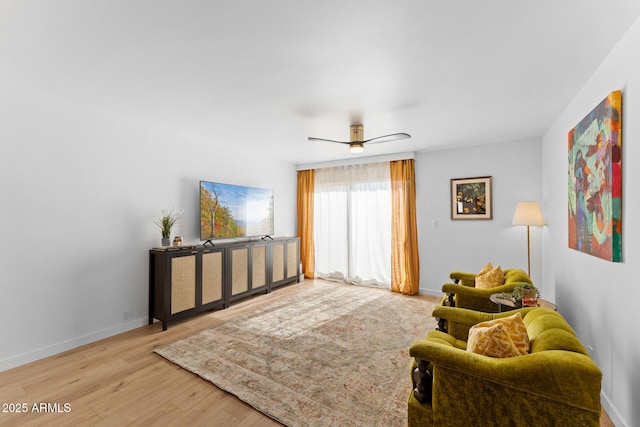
[[405, 264], [305, 221]]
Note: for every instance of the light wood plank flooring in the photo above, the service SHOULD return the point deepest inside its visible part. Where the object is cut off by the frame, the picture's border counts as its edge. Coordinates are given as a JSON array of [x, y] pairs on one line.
[[120, 381]]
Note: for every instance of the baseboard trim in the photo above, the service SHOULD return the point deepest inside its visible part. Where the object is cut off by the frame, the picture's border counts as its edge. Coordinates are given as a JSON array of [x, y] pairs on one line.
[[430, 292], [612, 412], [53, 349]]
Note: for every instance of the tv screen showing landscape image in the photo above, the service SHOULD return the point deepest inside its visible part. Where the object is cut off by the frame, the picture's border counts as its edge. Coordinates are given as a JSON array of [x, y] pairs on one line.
[[230, 211]]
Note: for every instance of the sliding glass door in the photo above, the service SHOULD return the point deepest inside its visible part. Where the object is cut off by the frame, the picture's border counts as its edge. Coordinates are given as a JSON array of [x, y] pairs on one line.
[[352, 224]]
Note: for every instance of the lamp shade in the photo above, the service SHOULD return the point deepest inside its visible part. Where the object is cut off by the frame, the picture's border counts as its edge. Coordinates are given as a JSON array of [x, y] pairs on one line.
[[528, 213]]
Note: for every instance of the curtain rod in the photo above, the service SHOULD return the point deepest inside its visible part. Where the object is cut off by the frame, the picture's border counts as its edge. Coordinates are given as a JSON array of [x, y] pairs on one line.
[[358, 161]]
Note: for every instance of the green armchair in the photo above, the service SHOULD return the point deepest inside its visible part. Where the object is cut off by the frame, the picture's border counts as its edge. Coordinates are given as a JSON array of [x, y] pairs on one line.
[[556, 384], [463, 293]]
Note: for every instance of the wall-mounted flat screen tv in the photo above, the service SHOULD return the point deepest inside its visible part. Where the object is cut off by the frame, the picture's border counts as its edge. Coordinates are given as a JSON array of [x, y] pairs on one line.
[[230, 211]]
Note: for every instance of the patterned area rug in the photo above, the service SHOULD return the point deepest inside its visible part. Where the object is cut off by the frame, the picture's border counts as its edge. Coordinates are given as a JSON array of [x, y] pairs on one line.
[[332, 355]]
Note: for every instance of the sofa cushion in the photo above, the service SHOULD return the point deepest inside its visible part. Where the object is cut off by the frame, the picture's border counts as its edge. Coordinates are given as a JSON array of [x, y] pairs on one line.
[[445, 339], [544, 320], [557, 339], [490, 279], [515, 275], [504, 337]]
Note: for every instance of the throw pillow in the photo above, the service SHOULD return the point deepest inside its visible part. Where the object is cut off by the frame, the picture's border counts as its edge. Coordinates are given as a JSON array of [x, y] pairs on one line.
[[505, 337], [490, 279], [487, 267]]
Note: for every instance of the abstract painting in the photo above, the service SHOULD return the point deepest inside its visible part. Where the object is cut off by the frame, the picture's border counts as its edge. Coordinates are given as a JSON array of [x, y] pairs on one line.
[[595, 181], [471, 198]]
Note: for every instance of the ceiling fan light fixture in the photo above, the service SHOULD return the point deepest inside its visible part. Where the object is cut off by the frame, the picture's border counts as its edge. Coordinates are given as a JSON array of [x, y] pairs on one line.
[[357, 141], [356, 147], [356, 133]]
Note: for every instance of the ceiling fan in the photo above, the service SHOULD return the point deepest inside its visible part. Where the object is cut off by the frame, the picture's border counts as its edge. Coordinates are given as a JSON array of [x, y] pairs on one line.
[[356, 142]]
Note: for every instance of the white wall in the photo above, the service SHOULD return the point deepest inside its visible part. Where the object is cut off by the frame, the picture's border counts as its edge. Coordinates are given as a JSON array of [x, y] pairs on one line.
[[446, 245], [80, 191], [600, 298]]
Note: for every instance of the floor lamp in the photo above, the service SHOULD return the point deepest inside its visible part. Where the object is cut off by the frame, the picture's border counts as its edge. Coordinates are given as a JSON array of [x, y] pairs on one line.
[[528, 213]]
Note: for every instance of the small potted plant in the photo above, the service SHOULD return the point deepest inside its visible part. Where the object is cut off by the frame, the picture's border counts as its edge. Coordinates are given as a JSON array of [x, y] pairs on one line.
[[525, 295], [166, 223]]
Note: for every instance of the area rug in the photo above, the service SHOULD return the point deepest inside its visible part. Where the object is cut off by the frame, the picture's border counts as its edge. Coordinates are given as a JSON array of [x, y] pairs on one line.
[[331, 355]]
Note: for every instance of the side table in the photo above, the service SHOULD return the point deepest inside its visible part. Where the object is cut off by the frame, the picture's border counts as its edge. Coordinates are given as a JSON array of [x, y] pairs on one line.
[[510, 304]]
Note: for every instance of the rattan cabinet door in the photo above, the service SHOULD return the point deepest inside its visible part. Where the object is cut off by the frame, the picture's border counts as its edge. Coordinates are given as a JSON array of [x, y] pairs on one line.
[[183, 283]]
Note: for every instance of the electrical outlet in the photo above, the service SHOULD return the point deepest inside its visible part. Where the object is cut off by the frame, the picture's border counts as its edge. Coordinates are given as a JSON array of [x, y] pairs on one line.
[[590, 351], [126, 316]]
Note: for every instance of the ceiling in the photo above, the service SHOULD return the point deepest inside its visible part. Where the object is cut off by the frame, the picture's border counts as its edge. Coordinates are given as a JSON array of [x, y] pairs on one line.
[[265, 75]]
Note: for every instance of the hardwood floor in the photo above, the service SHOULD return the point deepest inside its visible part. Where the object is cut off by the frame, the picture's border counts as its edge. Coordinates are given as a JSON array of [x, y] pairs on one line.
[[120, 381]]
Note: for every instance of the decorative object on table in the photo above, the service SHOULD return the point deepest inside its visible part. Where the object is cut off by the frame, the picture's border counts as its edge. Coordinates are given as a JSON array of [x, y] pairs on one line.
[[528, 213], [523, 295], [166, 223], [177, 241], [595, 181], [471, 198]]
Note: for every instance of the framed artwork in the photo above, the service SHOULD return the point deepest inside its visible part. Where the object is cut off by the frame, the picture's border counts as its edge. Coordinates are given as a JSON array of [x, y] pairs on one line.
[[595, 181], [471, 198]]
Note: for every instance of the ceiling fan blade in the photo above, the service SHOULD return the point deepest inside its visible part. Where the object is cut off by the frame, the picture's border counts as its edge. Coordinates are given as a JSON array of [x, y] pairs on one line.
[[387, 138], [325, 140]]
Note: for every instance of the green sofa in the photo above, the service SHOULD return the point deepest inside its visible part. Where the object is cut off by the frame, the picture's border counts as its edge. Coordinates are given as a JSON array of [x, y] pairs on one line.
[[556, 384]]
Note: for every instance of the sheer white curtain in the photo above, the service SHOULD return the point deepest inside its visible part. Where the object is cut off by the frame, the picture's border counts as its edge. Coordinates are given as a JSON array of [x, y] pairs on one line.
[[352, 224]]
